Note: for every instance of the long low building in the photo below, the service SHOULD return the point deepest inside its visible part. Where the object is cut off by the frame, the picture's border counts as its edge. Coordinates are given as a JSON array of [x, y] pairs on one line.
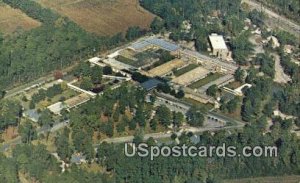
[[166, 68], [154, 42], [192, 76]]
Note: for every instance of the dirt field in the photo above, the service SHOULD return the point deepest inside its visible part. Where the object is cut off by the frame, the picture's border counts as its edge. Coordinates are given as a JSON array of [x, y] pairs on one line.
[[12, 20], [191, 76], [165, 68], [102, 17], [280, 76]]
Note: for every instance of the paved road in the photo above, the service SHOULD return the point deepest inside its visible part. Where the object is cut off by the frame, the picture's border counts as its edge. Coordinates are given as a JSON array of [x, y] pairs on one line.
[[167, 135], [230, 66], [276, 20], [20, 89]]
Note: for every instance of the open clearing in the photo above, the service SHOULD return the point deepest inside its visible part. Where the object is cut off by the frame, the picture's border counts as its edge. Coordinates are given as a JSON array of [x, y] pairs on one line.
[[102, 17], [166, 68], [280, 76], [12, 20]]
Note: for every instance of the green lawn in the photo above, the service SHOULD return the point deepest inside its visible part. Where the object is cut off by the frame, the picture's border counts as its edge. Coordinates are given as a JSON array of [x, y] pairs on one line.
[[125, 60], [185, 69], [207, 106], [211, 77]]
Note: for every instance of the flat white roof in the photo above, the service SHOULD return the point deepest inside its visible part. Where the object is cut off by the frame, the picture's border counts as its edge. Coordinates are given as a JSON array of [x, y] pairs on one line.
[[94, 59], [217, 41], [56, 108], [166, 45]]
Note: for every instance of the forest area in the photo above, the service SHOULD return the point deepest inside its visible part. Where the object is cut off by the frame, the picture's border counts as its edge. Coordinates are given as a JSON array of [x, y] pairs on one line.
[[289, 8], [58, 42]]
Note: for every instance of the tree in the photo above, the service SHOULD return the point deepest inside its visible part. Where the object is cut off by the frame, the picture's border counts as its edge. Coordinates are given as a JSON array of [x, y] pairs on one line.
[[46, 118], [163, 114], [133, 33], [157, 25], [10, 113], [239, 75], [232, 105], [121, 127], [107, 70], [132, 125], [86, 83], [96, 75], [138, 137], [2, 93], [251, 75], [212, 90], [242, 48], [164, 87], [257, 17], [153, 124], [266, 63], [136, 76], [195, 117], [177, 119], [262, 123], [27, 132], [63, 145], [180, 94]]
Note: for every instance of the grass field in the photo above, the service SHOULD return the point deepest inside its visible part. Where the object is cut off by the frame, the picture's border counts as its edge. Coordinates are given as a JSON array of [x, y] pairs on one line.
[[211, 77], [103, 17], [185, 69], [126, 60], [207, 106], [12, 20], [166, 67], [191, 76]]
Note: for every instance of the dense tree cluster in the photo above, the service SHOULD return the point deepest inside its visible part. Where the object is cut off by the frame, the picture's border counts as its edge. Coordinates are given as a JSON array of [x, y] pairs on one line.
[[36, 164], [27, 132], [242, 48], [289, 8], [43, 94], [208, 169], [10, 114], [267, 64], [254, 96], [114, 110]]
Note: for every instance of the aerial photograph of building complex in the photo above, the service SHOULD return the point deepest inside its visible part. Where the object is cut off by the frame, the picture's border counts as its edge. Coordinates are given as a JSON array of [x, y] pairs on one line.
[[149, 91]]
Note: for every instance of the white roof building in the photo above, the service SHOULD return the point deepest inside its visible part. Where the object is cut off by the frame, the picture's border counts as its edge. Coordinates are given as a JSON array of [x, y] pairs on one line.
[[219, 47], [217, 42]]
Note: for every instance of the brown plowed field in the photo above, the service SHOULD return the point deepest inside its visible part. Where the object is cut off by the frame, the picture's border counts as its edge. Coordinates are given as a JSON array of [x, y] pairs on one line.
[[103, 17]]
